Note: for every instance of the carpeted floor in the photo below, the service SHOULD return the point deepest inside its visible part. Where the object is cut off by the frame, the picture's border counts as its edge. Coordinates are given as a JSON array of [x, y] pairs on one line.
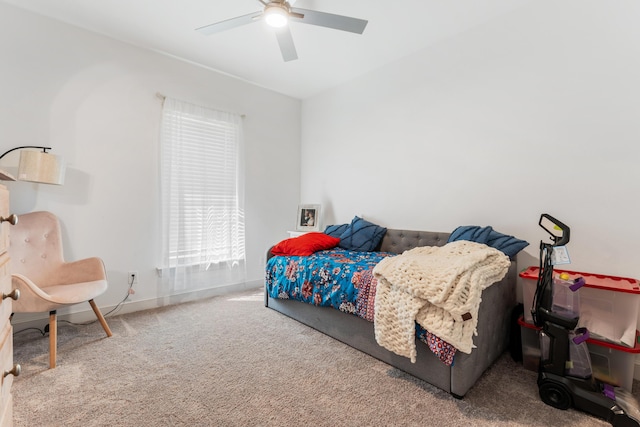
[[229, 361]]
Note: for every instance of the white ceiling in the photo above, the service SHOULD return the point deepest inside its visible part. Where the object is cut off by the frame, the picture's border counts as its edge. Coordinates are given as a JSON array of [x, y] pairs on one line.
[[326, 57]]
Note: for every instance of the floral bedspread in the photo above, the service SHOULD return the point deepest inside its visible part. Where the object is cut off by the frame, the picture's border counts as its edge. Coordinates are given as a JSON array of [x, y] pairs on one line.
[[340, 279]]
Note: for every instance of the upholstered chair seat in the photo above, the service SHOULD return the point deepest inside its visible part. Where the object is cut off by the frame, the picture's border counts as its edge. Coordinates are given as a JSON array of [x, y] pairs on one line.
[[45, 281], [34, 299]]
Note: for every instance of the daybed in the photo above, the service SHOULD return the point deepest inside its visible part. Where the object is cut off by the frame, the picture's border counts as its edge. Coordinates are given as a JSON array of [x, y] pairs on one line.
[[493, 327]]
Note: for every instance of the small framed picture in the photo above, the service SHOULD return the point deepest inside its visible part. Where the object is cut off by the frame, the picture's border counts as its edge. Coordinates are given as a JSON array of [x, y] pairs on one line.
[[308, 218]]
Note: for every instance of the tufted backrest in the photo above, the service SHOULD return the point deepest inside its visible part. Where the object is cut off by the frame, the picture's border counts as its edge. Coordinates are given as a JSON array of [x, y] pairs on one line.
[[36, 246], [398, 241]]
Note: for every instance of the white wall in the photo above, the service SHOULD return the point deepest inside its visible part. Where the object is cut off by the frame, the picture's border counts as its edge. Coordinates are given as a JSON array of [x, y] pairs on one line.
[[93, 99], [538, 111]]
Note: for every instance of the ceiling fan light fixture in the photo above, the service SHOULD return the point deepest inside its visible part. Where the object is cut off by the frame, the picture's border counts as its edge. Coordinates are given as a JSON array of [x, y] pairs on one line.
[[276, 15]]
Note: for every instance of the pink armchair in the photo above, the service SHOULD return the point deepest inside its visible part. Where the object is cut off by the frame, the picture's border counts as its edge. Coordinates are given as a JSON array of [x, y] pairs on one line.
[[45, 281]]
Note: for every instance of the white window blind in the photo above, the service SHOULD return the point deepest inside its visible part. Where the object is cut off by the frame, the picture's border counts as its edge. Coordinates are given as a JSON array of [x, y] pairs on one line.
[[201, 188]]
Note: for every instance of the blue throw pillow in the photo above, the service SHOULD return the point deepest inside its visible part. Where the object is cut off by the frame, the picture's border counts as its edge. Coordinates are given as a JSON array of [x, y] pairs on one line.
[[362, 236], [509, 245], [335, 230], [472, 233]]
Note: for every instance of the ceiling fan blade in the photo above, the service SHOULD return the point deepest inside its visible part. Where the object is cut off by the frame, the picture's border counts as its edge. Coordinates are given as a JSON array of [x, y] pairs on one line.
[[229, 23], [322, 19], [285, 41]]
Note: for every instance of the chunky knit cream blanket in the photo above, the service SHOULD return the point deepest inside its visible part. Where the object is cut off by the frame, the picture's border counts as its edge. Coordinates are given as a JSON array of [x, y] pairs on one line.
[[439, 287]]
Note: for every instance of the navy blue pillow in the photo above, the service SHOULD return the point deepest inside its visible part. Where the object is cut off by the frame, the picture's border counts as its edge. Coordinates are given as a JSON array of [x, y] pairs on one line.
[[335, 230], [361, 235], [509, 245], [472, 233]]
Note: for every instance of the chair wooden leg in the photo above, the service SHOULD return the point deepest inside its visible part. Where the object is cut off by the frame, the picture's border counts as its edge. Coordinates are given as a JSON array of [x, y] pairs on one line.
[[100, 317], [53, 338]]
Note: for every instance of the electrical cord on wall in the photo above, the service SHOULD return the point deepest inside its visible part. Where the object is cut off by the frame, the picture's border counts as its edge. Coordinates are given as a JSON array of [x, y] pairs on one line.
[[126, 297], [112, 311]]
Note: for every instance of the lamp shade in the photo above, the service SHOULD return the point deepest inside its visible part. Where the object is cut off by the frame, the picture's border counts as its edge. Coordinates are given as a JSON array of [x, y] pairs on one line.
[[37, 166]]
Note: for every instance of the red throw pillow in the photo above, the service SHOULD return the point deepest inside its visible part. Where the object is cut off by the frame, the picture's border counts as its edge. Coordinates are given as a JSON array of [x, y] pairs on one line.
[[305, 245]]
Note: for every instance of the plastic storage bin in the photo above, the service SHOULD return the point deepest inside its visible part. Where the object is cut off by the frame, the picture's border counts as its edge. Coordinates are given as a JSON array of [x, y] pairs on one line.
[[608, 304], [610, 363]]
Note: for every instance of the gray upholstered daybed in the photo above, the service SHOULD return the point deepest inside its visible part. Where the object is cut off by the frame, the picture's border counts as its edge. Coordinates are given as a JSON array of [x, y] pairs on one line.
[[493, 327]]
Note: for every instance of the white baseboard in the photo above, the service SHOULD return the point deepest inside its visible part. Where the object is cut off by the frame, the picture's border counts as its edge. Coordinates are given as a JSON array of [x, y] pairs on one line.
[[23, 321]]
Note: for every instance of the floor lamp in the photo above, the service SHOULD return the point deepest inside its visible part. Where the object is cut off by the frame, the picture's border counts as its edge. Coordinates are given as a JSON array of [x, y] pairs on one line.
[[39, 166]]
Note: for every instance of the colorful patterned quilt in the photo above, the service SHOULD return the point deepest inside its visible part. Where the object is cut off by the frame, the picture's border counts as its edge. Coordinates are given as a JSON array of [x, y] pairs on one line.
[[340, 279]]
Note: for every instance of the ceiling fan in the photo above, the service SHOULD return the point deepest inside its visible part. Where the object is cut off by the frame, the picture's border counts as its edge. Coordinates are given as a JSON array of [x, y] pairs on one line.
[[277, 13]]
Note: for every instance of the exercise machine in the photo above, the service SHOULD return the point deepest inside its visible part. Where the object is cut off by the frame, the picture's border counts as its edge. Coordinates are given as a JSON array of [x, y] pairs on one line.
[[565, 377]]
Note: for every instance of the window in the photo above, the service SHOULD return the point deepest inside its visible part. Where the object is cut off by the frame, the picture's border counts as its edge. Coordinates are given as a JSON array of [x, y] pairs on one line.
[[201, 191]]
